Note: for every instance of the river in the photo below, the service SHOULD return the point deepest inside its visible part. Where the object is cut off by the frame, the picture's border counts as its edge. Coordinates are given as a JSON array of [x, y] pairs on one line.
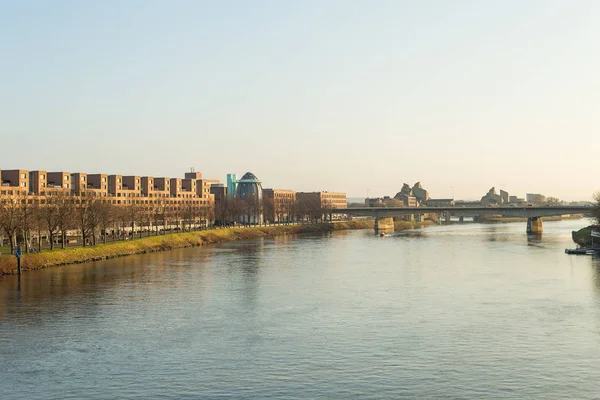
[[465, 311]]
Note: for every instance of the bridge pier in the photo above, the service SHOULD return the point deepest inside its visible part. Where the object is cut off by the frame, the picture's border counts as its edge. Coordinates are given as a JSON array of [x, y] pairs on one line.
[[384, 224], [447, 216], [534, 225], [461, 219]]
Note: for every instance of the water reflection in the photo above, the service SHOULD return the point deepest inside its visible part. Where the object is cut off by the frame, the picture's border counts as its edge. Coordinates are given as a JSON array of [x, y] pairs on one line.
[[58, 290], [534, 239], [595, 266]]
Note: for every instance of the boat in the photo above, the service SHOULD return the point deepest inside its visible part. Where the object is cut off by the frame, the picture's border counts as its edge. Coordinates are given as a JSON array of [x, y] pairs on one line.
[[584, 250]]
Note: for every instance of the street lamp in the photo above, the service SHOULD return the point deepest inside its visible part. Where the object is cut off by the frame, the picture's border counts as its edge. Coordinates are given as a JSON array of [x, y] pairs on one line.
[[452, 192]]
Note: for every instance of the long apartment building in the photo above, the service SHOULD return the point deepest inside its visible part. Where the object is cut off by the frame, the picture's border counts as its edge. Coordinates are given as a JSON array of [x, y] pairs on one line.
[[323, 200], [118, 189], [281, 203]]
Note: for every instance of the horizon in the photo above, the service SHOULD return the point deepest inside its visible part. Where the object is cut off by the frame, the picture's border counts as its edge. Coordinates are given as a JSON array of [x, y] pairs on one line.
[[341, 97]]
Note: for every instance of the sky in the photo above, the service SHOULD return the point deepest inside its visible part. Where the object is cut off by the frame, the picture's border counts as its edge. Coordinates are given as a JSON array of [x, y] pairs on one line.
[[349, 96]]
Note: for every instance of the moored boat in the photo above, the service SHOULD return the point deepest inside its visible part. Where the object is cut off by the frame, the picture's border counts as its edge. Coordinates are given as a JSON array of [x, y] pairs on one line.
[[584, 250]]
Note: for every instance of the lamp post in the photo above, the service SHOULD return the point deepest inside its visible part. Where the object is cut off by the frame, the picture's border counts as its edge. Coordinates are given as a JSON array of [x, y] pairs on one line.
[[452, 192], [18, 256]]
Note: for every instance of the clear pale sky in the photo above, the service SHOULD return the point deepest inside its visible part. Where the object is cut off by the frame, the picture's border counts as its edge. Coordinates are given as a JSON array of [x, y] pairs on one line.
[[308, 95]]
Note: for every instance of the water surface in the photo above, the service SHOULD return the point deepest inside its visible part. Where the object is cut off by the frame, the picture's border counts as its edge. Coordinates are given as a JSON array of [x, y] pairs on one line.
[[461, 311]]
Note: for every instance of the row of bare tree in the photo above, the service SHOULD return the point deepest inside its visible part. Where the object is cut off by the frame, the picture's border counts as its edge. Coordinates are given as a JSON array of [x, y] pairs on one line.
[[28, 221], [271, 210]]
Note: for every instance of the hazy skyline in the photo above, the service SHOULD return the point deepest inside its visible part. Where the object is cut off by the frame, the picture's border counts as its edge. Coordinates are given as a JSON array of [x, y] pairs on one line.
[[311, 95]]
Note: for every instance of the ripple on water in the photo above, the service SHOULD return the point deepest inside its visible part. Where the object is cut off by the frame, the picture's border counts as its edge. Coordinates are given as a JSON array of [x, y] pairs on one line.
[[462, 311]]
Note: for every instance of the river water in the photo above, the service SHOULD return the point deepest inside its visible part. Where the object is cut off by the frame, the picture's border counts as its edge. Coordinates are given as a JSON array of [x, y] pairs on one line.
[[460, 312]]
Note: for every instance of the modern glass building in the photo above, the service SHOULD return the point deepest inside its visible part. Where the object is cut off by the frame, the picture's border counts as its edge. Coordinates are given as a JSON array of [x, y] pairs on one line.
[[249, 188]]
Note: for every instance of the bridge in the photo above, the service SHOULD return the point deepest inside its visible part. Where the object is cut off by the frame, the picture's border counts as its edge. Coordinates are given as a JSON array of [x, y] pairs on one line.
[[384, 215]]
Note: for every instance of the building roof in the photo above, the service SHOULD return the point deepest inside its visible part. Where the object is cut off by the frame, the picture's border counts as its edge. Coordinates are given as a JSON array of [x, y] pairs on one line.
[[249, 177]]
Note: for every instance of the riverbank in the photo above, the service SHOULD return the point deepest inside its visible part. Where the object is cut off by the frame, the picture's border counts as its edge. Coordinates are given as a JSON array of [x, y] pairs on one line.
[[406, 225], [76, 255], [583, 237]]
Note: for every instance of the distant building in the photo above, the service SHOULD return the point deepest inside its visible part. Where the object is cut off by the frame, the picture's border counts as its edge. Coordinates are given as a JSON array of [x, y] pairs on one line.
[[421, 194], [231, 185], [516, 200], [279, 205], [385, 201], [37, 182], [440, 203], [249, 190], [407, 200], [15, 182], [219, 191], [535, 198], [491, 198], [325, 200]]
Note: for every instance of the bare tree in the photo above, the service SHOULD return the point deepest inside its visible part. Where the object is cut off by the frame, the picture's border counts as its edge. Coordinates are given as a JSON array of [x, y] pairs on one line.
[[26, 220], [10, 219], [269, 209], [554, 201], [292, 210], [147, 217], [64, 209], [106, 217], [49, 216], [87, 214], [159, 215], [223, 212], [327, 208], [309, 208], [256, 210], [132, 215], [596, 208], [82, 215], [38, 222], [187, 215], [175, 215]]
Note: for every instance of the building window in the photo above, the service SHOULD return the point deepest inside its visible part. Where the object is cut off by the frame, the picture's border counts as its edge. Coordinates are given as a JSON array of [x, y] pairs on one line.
[[119, 187], [24, 184], [83, 179], [42, 176], [103, 179]]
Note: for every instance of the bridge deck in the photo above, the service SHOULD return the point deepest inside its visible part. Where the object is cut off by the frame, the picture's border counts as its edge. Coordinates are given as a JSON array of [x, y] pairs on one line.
[[526, 212]]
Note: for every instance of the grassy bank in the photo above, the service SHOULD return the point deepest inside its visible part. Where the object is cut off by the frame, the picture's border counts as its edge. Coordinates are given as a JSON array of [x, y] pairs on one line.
[[406, 225], [76, 255]]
